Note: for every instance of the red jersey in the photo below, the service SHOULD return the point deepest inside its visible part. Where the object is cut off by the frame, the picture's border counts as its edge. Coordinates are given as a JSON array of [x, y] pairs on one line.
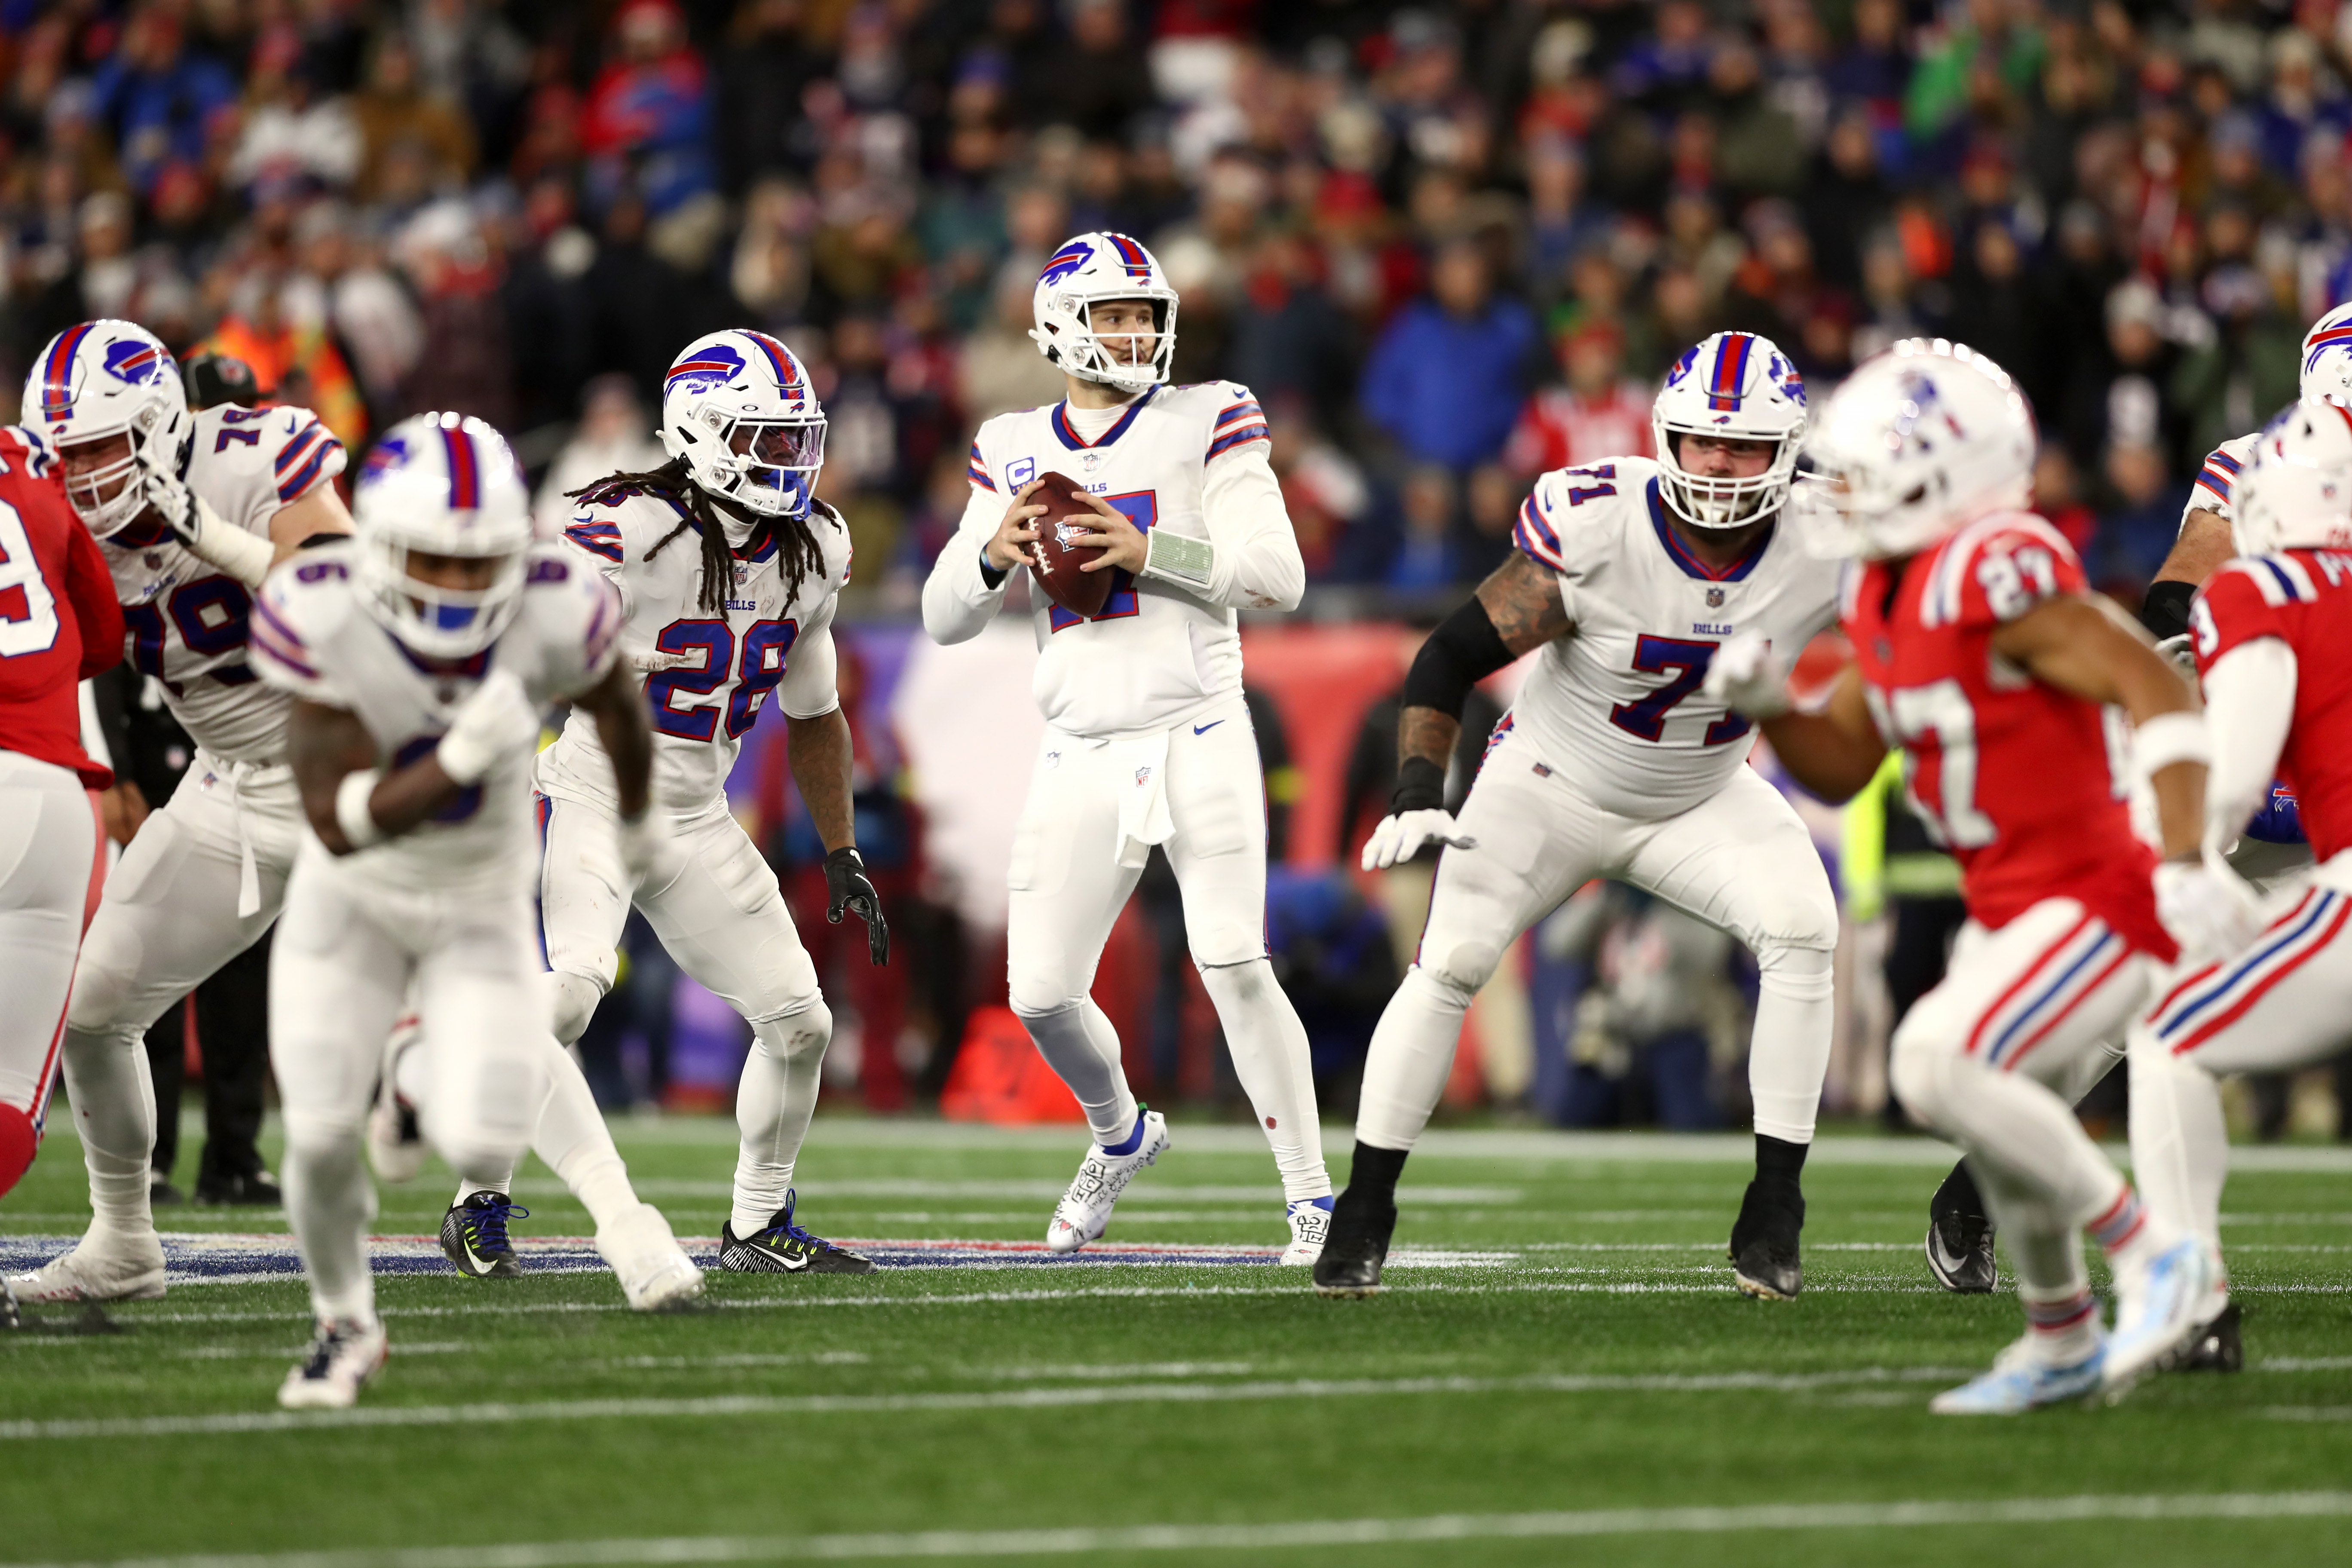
[[58, 622], [2303, 598], [2013, 776], [1557, 429]]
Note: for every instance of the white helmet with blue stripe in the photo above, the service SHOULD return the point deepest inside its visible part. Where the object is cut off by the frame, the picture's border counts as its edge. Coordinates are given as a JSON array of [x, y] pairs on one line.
[[2327, 357], [103, 379], [738, 409], [441, 493], [2296, 491], [1093, 269], [1740, 387]]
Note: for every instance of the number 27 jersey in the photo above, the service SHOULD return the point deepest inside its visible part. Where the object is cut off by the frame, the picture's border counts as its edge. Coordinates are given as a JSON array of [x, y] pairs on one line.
[[1615, 707], [2015, 777]]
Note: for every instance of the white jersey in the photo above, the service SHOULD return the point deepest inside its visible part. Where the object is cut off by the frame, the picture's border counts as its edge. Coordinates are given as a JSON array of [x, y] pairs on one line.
[[771, 636], [1187, 461], [183, 621], [1614, 706], [313, 639], [2217, 479]]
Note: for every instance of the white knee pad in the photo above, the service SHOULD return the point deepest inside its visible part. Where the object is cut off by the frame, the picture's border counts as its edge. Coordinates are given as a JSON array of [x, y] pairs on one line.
[[1041, 996], [1803, 967], [1461, 969], [318, 1135], [795, 1035], [573, 1000], [1920, 1068], [103, 976]]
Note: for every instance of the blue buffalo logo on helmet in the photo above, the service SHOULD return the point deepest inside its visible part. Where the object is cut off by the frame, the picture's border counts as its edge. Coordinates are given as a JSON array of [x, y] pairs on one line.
[[1065, 261], [388, 453], [135, 362], [711, 365]]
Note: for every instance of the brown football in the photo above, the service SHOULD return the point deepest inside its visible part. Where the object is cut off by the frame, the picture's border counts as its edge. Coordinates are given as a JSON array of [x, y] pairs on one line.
[[1057, 562]]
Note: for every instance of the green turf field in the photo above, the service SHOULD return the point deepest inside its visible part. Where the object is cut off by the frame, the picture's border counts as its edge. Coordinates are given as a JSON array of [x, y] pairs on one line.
[[1578, 1382]]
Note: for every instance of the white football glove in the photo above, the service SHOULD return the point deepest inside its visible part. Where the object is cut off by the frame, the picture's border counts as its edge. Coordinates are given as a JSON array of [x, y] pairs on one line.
[[2179, 651], [497, 721], [2207, 908], [1745, 677], [206, 535], [648, 854], [1399, 837]]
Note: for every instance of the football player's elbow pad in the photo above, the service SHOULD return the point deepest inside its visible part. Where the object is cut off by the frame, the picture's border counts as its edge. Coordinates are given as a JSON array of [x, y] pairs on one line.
[[1463, 650]]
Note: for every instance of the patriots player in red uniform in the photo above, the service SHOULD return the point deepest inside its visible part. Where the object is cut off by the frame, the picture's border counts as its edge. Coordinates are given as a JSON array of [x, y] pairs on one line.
[[58, 626], [2272, 632], [1981, 652]]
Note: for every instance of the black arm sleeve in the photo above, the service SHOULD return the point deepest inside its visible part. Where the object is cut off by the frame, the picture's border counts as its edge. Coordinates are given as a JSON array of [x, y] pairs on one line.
[[1462, 651], [2165, 610]]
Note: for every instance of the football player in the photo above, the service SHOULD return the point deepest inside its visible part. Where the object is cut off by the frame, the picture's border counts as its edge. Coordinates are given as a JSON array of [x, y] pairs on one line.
[[2272, 633], [1981, 653], [1147, 740], [189, 511], [64, 628], [419, 657], [1628, 574], [727, 568]]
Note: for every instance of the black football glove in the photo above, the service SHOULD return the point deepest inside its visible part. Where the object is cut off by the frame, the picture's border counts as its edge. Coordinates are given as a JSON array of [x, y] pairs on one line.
[[846, 887]]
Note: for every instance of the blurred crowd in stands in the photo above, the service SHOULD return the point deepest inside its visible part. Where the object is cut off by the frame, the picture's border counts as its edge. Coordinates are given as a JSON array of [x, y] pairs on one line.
[[1448, 245]]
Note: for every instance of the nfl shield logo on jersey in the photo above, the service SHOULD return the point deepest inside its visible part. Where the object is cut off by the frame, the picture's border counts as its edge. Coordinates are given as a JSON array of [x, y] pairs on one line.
[[1714, 598], [1142, 777]]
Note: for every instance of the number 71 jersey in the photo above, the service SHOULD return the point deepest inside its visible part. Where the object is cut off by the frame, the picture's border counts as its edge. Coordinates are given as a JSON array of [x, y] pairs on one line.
[[1615, 707], [2017, 778]]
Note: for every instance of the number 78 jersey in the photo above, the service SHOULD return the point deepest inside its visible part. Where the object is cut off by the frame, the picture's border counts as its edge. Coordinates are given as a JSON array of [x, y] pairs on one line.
[[1614, 707], [2018, 779]]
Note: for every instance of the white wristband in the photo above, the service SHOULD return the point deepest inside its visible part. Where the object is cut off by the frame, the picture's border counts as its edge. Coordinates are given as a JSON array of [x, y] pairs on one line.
[[351, 813], [1188, 563], [244, 556], [2171, 738]]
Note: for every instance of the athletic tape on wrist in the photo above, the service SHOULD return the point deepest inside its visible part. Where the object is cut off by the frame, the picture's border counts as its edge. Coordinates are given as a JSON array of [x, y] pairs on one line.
[[352, 812], [244, 556], [2171, 738], [1190, 562]]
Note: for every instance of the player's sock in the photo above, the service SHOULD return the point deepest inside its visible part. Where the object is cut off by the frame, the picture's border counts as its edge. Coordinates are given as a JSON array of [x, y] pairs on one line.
[[1778, 1158], [2046, 1253], [574, 1142], [2063, 1323], [1789, 1049], [1374, 1170], [1275, 1068], [2126, 1232], [329, 1203], [17, 1144], [1412, 1053], [773, 1107], [113, 1101], [2181, 1145], [1079, 1043]]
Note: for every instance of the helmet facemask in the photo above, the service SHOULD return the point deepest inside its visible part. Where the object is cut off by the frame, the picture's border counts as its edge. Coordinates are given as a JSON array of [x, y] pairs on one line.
[[111, 497], [1067, 334], [765, 466], [432, 618], [1707, 501]]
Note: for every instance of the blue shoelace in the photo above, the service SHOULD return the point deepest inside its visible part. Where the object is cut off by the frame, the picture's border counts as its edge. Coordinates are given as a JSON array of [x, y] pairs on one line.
[[491, 1224]]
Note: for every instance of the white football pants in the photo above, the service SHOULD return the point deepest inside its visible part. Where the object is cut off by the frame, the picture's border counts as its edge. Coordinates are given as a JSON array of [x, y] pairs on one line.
[[48, 844], [1095, 808], [1740, 860], [2285, 1001], [723, 919], [169, 919], [1993, 1059], [344, 967]]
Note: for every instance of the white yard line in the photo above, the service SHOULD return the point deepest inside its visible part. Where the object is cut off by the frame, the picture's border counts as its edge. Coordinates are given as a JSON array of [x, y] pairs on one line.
[[1763, 1520], [1174, 1392]]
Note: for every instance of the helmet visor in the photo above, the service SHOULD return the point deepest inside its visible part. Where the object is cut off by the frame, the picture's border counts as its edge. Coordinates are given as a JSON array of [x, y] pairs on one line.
[[778, 445]]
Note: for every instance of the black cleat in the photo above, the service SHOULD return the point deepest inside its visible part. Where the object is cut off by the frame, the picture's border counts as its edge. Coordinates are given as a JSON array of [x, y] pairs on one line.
[[785, 1248], [474, 1236], [1764, 1262], [256, 1189], [1355, 1246], [2215, 1347], [1960, 1237]]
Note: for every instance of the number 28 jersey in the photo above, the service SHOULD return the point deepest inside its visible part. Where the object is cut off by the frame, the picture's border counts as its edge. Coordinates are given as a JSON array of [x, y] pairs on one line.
[[1615, 705], [2015, 777], [709, 673]]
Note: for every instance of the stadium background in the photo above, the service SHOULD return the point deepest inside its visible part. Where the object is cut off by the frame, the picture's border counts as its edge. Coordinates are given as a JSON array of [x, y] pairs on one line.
[[1447, 247]]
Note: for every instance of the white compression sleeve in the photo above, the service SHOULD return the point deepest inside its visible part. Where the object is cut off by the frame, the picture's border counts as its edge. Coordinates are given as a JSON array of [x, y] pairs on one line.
[[1275, 1067], [1256, 563], [773, 1103], [957, 600], [2249, 704]]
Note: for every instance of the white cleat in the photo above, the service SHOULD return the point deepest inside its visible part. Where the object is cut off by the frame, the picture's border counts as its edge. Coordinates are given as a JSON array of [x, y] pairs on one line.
[[343, 1356], [1084, 1213], [2159, 1309], [1310, 1223], [653, 1269], [395, 1139], [104, 1265], [2020, 1381]]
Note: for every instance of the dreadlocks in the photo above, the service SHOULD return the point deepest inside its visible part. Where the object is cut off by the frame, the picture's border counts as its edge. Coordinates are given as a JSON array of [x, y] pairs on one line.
[[803, 554]]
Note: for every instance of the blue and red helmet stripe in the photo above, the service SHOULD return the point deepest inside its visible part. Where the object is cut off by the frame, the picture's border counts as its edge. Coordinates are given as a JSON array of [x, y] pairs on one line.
[[780, 358], [1137, 261], [57, 375], [1730, 373], [465, 470]]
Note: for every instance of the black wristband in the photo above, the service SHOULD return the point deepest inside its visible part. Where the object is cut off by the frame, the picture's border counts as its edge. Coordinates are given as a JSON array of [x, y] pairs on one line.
[[1419, 786], [316, 539], [2165, 610], [992, 577]]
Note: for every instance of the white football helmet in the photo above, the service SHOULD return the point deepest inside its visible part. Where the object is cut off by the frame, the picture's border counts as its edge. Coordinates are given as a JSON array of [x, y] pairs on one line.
[[441, 484], [110, 378], [1917, 441], [2295, 492], [1740, 386], [739, 408], [1089, 270], [2327, 356]]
